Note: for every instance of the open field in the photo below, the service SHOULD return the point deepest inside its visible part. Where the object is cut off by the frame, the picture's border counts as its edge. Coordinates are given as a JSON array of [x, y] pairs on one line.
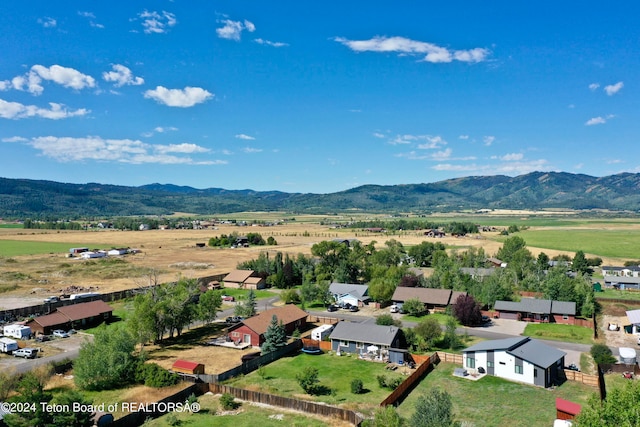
[[33, 263], [492, 401], [559, 332]]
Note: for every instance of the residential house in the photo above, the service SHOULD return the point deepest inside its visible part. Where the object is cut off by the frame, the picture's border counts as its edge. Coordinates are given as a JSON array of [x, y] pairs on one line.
[[255, 283], [519, 359], [628, 271], [634, 320], [434, 233], [384, 343], [251, 330], [237, 278], [622, 282], [478, 273], [537, 310], [76, 316], [433, 299], [347, 293]]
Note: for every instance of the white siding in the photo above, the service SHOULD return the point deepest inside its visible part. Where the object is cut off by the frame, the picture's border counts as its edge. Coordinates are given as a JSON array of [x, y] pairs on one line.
[[506, 369]]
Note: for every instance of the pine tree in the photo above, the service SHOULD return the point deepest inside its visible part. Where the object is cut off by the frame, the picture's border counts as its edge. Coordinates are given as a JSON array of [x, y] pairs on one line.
[[274, 337]]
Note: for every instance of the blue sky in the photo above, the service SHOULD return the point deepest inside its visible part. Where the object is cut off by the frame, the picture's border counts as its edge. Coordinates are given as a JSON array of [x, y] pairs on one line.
[[315, 96]]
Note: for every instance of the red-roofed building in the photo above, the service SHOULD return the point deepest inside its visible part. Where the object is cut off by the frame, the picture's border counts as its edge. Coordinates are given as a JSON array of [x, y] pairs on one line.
[[566, 410], [251, 330], [186, 367]]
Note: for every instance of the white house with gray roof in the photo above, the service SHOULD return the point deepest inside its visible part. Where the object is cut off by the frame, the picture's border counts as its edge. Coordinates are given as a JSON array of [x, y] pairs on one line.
[[520, 359], [381, 342], [348, 293], [537, 310]]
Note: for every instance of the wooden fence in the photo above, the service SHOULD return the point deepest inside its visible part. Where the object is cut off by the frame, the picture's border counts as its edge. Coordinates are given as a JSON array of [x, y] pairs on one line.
[[322, 345], [412, 380], [450, 357], [319, 409], [158, 408], [322, 319], [590, 380]]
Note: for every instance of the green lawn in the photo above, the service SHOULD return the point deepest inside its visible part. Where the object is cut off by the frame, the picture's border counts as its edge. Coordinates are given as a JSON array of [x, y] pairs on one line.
[[615, 243], [492, 401], [559, 332], [335, 374], [241, 294], [618, 294]]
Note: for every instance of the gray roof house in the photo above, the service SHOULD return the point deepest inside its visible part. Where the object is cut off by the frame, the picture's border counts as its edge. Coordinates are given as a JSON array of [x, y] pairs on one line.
[[519, 359], [537, 310], [353, 294], [369, 341], [432, 298], [622, 282]]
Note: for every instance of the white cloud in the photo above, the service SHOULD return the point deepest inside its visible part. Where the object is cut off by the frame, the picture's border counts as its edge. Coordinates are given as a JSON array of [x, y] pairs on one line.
[[161, 129], [64, 76], [245, 137], [488, 140], [70, 149], [232, 30], [47, 22], [121, 76], [187, 97], [16, 110], [180, 148], [442, 155], [464, 137], [613, 89], [157, 23], [90, 16], [509, 168], [598, 120], [270, 43], [594, 86], [15, 139], [614, 161], [433, 53], [425, 142], [512, 157], [252, 150], [378, 135]]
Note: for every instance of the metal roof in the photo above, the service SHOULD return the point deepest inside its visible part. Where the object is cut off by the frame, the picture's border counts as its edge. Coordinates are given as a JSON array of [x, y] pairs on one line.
[[622, 279], [634, 316], [539, 306], [356, 290], [563, 307], [533, 351], [365, 333]]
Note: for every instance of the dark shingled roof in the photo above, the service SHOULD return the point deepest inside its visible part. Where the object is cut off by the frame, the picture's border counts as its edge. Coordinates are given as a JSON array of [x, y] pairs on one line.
[[286, 314], [365, 333]]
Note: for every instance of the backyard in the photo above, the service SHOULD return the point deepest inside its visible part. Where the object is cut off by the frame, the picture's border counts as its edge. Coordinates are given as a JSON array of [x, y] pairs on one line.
[[493, 401], [335, 376]]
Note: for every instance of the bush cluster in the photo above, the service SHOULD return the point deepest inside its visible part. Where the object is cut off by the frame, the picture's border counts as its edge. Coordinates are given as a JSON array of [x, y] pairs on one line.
[[389, 382]]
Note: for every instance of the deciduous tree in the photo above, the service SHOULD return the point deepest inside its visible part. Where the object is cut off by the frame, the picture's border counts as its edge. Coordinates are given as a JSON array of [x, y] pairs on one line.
[[434, 410]]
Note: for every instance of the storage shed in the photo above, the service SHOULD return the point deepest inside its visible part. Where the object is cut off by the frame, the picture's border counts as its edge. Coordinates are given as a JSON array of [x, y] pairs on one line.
[[185, 367]]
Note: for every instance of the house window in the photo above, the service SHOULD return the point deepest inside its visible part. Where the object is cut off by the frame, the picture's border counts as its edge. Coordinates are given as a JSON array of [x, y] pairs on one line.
[[565, 317], [344, 344], [535, 373], [359, 345], [489, 364], [235, 334], [519, 370], [471, 362]]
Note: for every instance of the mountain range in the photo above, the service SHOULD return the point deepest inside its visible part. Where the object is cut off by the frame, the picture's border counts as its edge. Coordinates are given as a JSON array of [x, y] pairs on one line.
[[36, 199]]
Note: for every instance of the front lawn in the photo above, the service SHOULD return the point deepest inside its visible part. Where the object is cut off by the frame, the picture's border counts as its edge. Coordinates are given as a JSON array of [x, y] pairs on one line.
[[559, 332], [241, 294], [493, 401], [335, 375]]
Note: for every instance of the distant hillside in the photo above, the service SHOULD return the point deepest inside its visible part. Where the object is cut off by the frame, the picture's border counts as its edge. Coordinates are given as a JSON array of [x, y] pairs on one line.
[[22, 198]]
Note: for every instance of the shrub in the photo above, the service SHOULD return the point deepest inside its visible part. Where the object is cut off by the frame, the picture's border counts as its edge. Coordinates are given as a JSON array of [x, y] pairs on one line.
[[389, 382], [602, 354], [308, 380], [387, 320], [356, 386], [228, 402], [154, 375]]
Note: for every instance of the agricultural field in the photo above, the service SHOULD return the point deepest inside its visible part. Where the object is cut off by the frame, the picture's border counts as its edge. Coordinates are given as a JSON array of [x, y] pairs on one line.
[[34, 263]]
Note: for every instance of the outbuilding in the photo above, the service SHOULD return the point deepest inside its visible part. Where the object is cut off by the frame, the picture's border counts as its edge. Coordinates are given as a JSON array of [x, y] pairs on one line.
[[186, 367]]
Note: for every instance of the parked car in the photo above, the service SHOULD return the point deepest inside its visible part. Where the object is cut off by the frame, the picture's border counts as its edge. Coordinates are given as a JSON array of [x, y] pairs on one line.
[[51, 300], [27, 353], [353, 308], [394, 309], [43, 338], [332, 308], [228, 298], [60, 333], [486, 319]]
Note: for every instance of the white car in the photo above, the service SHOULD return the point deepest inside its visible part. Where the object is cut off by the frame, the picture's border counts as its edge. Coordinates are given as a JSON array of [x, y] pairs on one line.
[[27, 353], [60, 333], [394, 309]]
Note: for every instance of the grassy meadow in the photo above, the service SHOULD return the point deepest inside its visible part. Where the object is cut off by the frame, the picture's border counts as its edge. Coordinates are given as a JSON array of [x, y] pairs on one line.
[[11, 248]]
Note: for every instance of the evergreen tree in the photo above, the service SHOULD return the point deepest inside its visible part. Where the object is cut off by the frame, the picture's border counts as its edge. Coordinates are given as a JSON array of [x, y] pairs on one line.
[[434, 410], [274, 337]]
